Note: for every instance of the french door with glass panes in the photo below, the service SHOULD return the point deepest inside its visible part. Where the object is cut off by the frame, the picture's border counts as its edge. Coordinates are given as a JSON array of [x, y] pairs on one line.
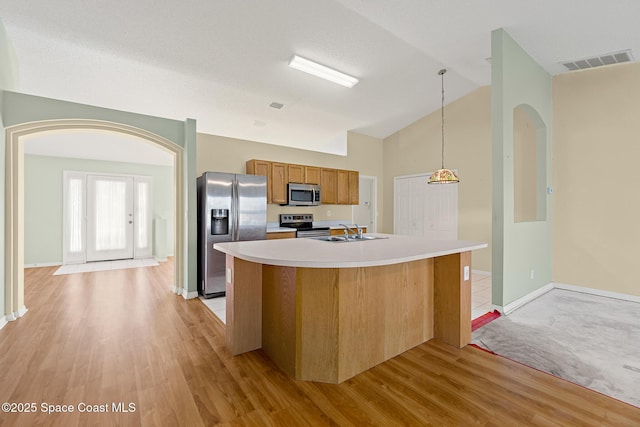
[[106, 217]]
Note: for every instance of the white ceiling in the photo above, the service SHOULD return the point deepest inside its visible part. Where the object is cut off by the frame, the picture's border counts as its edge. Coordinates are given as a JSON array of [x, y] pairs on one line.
[[223, 62], [96, 144]]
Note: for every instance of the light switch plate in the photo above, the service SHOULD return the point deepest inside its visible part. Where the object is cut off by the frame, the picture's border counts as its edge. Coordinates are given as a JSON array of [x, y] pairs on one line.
[[466, 272], [229, 275]]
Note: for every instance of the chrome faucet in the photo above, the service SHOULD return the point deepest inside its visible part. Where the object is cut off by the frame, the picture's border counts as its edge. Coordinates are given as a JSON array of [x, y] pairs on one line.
[[357, 230]]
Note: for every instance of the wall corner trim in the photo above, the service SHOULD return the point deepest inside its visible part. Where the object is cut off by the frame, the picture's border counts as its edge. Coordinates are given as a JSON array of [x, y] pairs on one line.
[[189, 295], [17, 314], [526, 298]]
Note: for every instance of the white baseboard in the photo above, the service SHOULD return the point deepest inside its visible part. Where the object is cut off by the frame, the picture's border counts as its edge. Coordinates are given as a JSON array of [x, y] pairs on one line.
[[43, 264], [554, 285], [176, 290], [189, 295], [598, 292], [3, 321], [525, 299], [16, 315]]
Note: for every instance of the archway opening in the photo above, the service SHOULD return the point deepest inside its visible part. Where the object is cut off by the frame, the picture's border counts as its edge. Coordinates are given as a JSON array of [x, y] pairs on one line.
[[14, 233]]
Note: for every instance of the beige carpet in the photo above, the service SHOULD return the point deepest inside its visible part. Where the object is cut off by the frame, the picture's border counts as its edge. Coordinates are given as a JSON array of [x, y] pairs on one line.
[[588, 340]]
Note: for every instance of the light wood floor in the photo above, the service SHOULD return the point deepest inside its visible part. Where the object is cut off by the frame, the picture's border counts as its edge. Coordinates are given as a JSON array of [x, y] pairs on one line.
[[122, 336]]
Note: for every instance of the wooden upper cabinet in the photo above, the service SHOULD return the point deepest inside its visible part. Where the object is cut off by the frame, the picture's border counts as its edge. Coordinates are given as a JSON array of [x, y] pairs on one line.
[[329, 186], [343, 187], [312, 175], [296, 173], [338, 186], [354, 187], [279, 180], [263, 168]]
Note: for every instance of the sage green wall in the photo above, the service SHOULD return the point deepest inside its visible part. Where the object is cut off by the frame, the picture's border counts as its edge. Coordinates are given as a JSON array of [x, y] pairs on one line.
[[43, 200], [20, 108], [364, 154], [29, 108], [518, 248], [3, 311], [8, 81]]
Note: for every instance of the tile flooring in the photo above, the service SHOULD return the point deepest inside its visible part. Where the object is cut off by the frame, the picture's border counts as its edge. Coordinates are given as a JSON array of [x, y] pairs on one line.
[[480, 298], [480, 294], [218, 306]]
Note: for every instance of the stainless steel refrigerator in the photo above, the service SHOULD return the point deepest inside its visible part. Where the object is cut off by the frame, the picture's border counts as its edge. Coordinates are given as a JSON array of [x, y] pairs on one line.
[[231, 207]]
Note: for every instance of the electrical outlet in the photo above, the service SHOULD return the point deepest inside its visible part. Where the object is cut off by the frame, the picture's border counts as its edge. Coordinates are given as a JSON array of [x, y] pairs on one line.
[[466, 272], [532, 273], [229, 275]]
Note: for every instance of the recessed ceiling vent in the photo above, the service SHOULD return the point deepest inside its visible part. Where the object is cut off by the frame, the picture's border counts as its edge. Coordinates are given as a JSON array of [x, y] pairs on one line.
[[598, 61], [276, 105]]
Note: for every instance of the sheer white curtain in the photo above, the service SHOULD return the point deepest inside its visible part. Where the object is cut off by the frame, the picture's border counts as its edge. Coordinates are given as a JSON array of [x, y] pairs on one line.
[[143, 196], [110, 215], [73, 247]]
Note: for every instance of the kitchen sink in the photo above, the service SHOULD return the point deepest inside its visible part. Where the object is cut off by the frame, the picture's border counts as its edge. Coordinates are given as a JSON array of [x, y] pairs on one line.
[[351, 238]]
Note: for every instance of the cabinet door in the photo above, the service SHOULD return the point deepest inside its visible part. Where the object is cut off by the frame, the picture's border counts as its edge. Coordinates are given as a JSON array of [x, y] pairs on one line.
[[343, 187], [281, 235], [354, 187], [311, 175], [262, 168], [329, 184], [296, 173], [279, 179]]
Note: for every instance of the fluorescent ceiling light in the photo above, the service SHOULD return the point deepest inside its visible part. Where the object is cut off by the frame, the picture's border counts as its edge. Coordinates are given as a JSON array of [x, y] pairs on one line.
[[303, 64]]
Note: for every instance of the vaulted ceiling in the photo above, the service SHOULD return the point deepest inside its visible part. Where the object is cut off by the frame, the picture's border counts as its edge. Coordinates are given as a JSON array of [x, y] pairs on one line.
[[222, 62]]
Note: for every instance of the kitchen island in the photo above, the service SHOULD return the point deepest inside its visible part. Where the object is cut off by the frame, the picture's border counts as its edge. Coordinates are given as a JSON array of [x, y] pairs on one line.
[[326, 311]]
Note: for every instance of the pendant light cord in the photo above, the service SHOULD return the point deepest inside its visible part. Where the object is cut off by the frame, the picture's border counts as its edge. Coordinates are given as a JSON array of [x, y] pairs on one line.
[[441, 72]]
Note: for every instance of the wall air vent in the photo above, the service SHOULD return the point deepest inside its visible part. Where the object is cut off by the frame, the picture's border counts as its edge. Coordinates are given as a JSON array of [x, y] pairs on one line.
[[598, 61], [276, 105]]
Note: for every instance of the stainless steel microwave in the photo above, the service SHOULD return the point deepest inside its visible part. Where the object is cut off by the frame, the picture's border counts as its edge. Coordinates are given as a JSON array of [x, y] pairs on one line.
[[303, 194]]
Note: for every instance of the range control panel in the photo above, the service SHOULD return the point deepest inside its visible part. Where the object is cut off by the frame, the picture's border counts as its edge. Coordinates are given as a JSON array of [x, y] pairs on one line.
[[294, 218]]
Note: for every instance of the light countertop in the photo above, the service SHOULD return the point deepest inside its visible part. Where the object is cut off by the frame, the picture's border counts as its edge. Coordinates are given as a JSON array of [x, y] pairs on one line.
[[322, 254]]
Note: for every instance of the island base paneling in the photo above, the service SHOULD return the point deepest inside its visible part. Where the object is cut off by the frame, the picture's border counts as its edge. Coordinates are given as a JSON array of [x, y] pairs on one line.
[[453, 299], [243, 305], [329, 324], [279, 312]]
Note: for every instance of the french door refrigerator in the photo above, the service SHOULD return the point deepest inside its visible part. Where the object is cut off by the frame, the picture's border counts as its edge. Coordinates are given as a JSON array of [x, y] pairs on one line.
[[231, 207]]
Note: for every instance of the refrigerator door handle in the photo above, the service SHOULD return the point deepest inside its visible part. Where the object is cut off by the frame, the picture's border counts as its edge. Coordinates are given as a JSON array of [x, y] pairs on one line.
[[235, 210]]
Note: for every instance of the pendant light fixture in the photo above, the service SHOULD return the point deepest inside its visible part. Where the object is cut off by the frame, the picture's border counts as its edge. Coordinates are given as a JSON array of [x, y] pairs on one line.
[[443, 175]]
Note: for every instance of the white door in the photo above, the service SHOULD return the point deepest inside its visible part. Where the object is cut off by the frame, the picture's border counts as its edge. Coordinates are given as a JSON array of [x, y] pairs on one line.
[[425, 210], [109, 217], [365, 212]]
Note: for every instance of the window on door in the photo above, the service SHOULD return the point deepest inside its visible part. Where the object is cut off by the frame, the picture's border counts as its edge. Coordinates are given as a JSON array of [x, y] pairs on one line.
[[107, 217]]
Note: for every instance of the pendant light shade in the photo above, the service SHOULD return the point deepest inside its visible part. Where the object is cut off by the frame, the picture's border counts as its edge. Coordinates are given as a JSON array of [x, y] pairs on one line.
[[443, 175]]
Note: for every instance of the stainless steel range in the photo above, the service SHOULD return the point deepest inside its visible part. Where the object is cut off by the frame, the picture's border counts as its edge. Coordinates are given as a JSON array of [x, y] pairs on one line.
[[303, 223]]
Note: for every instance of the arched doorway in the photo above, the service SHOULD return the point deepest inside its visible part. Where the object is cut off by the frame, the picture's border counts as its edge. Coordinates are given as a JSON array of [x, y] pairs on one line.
[[14, 197]]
